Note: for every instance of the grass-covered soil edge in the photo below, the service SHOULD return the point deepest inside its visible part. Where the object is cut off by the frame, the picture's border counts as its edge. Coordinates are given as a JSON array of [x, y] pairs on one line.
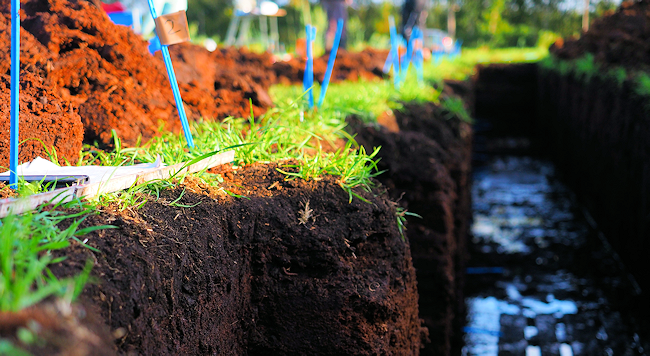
[[293, 268]]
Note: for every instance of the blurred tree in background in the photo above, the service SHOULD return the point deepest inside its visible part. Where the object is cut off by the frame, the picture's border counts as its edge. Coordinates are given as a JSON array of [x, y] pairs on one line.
[[494, 23]]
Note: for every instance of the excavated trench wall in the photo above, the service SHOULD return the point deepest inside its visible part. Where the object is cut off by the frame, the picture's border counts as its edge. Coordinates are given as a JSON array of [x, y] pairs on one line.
[[427, 160], [598, 134]]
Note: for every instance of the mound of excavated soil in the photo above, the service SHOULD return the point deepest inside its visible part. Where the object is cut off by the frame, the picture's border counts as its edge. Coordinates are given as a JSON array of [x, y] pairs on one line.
[[427, 164], [621, 38], [351, 66], [74, 51], [46, 121], [103, 75], [295, 269], [227, 75]]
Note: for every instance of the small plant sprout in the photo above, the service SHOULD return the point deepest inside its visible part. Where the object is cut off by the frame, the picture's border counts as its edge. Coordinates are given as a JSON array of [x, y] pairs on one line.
[[401, 214], [305, 214], [456, 107]]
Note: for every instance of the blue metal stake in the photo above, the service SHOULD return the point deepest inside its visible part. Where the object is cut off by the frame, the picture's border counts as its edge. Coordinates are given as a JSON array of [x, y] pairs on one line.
[[174, 84], [330, 62], [15, 90], [406, 59], [308, 79], [305, 81], [418, 57], [395, 48], [312, 37]]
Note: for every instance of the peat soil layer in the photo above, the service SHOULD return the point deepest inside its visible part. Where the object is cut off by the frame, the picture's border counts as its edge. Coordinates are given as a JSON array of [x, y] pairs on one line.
[[426, 156], [293, 268], [542, 279]]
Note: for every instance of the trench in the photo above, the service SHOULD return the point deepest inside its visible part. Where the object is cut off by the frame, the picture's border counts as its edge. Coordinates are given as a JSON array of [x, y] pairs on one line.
[[542, 279]]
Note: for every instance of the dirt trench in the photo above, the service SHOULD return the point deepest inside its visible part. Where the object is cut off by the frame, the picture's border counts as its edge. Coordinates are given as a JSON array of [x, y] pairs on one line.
[[596, 133]]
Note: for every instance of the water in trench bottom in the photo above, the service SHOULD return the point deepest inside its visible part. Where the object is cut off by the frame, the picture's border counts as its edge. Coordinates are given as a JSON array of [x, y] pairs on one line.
[[541, 280]]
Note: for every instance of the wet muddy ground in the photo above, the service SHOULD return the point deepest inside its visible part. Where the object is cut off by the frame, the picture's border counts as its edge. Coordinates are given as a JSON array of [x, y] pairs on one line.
[[541, 279]]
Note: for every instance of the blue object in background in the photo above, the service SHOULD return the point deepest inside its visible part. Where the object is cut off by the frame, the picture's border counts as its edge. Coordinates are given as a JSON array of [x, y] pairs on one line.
[[330, 62], [418, 57], [154, 45], [15, 91], [308, 78], [484, 270], [174, 84], [406, 58], [470, 330], [394, 51], [121, 18]]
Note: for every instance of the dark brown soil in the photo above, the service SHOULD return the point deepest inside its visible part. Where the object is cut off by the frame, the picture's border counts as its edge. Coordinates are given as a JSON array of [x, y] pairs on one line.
[[507, 92], [59, 329], [427, 167], [597, 133], [350, 66], [621, 38], [246, 276]]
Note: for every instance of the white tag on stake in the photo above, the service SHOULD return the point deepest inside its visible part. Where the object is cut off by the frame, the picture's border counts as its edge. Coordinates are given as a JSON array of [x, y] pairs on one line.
[[172, 28]]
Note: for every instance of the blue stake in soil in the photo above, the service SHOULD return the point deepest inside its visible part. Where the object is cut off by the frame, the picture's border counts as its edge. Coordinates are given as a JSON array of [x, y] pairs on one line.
[[174, 84], [308, 79], [406, 58], [330, 62], [394, 51], [15, 89], [418, 57], [305, 75]]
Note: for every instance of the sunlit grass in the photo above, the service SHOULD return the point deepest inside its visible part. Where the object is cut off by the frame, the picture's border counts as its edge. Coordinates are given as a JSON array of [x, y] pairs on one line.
[[27, 243], [463, 66]]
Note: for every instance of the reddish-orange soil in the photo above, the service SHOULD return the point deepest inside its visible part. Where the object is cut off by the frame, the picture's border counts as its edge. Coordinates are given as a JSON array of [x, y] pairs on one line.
[[46, 121], [106, 75], [367, 64]]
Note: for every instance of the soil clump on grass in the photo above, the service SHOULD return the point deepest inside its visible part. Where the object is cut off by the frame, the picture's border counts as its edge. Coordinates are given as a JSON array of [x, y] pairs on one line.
[[427, 166], [293, 268], [621, 38]]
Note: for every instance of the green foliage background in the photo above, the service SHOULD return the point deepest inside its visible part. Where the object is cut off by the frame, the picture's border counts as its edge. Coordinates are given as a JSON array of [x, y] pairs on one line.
[[494, 23]]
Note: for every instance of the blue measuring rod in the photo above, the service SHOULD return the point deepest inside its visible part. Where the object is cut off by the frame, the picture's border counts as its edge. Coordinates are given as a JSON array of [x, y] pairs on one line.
[[15, 93], [330, 61], [308, 78], [172, 78], [394, 51]]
